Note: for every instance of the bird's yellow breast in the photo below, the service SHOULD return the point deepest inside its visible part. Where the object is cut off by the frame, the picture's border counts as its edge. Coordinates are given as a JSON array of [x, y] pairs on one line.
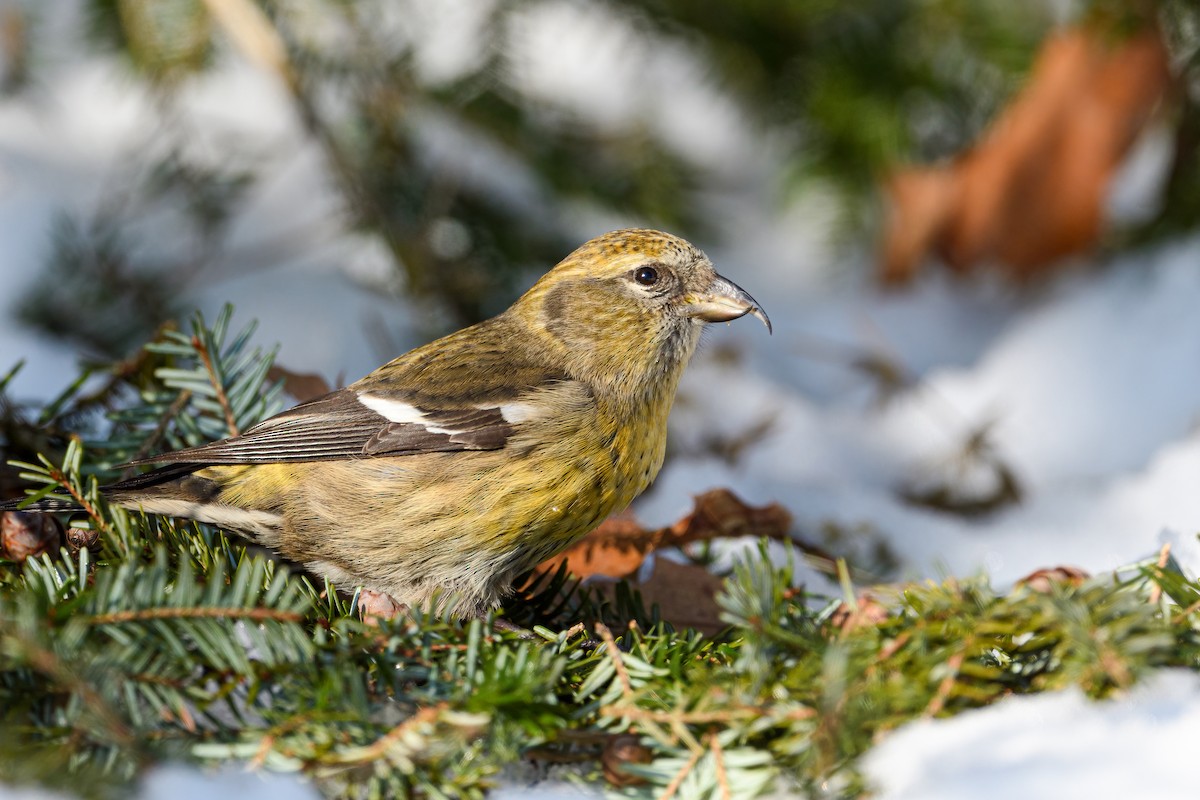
[[438, 513]]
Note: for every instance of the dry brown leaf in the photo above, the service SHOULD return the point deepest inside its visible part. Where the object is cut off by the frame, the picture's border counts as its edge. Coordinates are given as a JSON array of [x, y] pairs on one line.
[[684, 593], [721, 513], [1043, 580], [301, 385], [1032, 190], [618, 547]]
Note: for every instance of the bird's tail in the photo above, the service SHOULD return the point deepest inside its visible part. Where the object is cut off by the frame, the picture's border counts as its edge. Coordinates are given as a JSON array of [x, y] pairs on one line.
[[174, 491], [124, 488], [46, 504]]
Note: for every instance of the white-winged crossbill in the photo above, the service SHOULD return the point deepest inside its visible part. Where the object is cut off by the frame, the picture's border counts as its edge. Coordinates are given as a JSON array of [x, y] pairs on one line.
[[463, 463]]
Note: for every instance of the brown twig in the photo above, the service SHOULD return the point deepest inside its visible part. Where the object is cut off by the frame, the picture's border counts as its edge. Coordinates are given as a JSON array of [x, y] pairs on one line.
[[160, 430], [677, 781], [253, 614], [719, 763], [215, 380], [259, 40], [701, 717], [947, 685], [252, 33], [269, 739], [378, 749], [1187, 612], [615, 654], [76, 495], [891, 648], [1164, 555]]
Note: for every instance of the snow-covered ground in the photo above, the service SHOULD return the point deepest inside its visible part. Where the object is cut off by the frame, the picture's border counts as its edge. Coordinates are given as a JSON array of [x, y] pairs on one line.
[[1090, 384], [1051, 745], [1090, 389]]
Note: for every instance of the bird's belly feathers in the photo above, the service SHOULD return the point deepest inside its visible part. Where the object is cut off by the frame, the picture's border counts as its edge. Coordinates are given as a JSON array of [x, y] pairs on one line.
[[470, 521]]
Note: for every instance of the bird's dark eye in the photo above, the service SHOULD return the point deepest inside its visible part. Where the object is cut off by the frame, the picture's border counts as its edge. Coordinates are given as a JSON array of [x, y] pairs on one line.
[[646, 276]]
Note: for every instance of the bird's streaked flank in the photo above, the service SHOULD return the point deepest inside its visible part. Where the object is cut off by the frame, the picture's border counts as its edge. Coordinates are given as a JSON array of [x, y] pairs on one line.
[[467, 461]]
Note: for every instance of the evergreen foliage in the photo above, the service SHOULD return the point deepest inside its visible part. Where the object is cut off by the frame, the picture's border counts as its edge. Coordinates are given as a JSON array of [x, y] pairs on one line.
[[150, 640]]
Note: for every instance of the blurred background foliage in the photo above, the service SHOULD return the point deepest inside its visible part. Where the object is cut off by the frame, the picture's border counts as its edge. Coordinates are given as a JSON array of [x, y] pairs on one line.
[[847, 90]]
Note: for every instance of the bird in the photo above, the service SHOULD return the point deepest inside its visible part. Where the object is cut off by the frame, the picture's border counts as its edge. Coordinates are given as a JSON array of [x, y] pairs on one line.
[[446, 473]]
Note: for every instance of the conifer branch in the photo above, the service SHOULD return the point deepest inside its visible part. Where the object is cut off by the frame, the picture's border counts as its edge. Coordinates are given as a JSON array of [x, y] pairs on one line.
[[214, 653], [47, 663], [680, 776], [78, 496], [218, 386], [380, 747], [160, 430]]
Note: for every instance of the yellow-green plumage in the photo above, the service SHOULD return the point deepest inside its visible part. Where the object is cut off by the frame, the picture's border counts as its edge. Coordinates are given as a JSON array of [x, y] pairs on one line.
[[466, 461]]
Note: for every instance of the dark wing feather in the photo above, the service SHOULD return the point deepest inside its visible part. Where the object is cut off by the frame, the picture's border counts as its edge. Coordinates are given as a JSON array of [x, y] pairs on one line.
[[340, 426], [465, 429], [445, 396], [334, 426]]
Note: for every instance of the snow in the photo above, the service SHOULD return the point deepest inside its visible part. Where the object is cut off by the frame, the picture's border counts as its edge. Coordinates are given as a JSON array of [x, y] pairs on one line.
[[1093, 400], [179, 782], [549, 790], [1090, 383], [1050, 745], [182, 781]]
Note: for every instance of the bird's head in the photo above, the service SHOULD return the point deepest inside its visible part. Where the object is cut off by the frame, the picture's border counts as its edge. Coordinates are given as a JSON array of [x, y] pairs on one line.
[[627, 307]]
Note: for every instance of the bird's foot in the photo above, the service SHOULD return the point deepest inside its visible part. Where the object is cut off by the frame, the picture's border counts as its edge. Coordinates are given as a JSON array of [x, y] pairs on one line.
[[504, 626], [376, 606]]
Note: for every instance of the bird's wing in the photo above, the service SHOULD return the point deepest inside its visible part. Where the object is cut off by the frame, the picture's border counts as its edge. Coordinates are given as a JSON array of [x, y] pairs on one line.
[[362, 421]]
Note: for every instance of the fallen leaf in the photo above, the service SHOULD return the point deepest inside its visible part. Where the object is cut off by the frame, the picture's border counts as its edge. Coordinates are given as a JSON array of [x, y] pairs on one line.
[[684, 593], [721, 513], [1032, 190], [1043, 580], [974, 481], [619, 545], [616, 549], [303, 386]]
